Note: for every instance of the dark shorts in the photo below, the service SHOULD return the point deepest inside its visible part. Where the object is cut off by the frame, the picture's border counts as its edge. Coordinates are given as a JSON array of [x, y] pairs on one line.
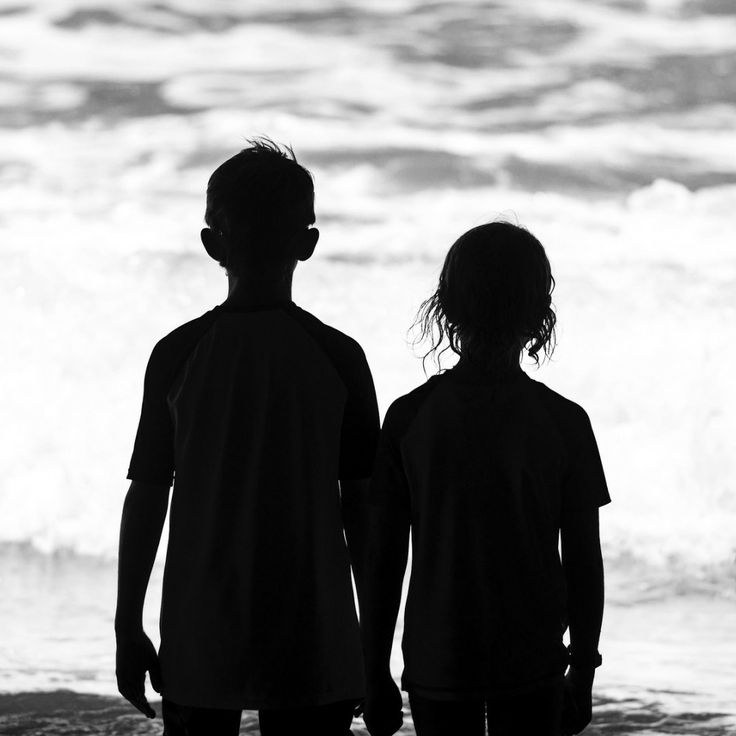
[[326, 720], [535, 713]]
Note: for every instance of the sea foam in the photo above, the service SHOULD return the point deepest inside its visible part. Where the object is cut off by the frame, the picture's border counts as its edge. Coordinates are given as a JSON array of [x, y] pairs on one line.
[[112, 122]]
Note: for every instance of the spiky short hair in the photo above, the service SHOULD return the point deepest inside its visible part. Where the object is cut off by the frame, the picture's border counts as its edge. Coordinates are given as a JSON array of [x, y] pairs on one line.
[[260, 197]]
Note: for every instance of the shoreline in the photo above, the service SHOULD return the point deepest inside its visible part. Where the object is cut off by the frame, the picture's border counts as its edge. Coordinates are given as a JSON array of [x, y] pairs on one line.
[[664, 656], [65, 712]]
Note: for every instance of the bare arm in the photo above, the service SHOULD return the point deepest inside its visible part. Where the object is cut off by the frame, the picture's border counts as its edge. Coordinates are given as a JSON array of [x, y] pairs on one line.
[[354, 505], [379, 578], [144, 512], [583, 566], [380, 520], [380, 583]]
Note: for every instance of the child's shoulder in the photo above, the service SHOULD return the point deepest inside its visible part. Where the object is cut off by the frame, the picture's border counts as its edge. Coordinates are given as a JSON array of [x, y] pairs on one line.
[[172, 348], [404, 409], [417, 395], [184, 334], [316, 325], [344, 351], [564, 410]]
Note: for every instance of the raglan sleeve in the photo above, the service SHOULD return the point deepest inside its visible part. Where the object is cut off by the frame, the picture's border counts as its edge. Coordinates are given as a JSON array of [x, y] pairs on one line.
[[360, 425], [584, 485], [153, 451]]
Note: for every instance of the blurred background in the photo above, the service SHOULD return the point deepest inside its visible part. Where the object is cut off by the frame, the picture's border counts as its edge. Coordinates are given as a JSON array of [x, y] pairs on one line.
[[606, 128]]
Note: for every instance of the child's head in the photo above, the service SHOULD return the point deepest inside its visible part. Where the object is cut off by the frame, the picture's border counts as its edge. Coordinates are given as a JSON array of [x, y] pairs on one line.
[[493, 297], [260, 204]]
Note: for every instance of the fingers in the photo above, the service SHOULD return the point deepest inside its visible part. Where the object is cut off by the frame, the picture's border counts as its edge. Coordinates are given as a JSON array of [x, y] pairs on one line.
[[572, 727], [384, 724], [137, 698], [132, 687], [133, 659], [144, 707], [384, 729], [154, 672], [151, 664]]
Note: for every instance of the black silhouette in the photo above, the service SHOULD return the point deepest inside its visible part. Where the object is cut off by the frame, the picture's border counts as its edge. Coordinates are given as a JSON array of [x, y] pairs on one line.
[[256, 410], [487, 468]]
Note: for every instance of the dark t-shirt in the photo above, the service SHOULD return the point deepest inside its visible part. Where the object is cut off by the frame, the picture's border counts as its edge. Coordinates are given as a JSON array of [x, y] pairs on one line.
[[488, 470], [255, 414]]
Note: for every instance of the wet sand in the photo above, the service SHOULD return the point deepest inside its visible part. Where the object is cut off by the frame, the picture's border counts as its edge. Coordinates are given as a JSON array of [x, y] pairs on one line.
[[64, 712]]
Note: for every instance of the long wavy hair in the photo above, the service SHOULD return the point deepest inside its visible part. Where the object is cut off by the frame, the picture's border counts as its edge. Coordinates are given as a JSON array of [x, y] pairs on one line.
[[493, 300]]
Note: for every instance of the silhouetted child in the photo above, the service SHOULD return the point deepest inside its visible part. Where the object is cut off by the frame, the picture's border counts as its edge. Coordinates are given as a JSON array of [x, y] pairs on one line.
[[255, 411], [487, 468]]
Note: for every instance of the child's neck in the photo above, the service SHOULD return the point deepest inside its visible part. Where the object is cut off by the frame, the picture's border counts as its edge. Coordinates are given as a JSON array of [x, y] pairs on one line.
[[258, 288]]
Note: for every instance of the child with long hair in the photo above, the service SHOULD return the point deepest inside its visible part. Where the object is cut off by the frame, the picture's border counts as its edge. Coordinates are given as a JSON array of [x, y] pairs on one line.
[[488, 469]]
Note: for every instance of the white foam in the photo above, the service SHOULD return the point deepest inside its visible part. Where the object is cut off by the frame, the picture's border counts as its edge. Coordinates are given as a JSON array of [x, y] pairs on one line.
[[627, 35], [641, 347], [99, 234]]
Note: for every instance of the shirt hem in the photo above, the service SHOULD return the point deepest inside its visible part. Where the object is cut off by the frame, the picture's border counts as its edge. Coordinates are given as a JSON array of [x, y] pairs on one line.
[[480, 691], [167, 481], [254, 702]]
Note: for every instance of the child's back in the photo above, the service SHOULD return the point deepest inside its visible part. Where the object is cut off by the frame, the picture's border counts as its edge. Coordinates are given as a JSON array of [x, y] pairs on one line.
[[257, 597], [487, 467], [265, 420]]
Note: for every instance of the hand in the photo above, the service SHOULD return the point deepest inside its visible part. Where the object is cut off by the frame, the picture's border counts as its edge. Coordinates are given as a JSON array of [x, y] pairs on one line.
[[382, 707], [135, 656], [577, 709]]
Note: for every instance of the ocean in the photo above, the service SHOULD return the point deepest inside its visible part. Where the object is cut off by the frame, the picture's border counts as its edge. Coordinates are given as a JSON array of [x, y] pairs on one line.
[[606, 128]]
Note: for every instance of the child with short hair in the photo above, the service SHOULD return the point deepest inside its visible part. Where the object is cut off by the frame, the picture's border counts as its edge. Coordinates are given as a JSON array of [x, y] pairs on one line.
[[487, 468], [266, 421]]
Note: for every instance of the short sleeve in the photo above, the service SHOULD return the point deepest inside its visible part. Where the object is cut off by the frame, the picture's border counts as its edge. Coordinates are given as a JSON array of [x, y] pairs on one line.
[[584, 486], [389, 485], [153, 451], [360, 425]]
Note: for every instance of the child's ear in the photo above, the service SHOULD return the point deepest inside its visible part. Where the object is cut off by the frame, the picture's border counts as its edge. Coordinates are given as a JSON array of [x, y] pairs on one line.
[[213, 243], [307, 243]]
